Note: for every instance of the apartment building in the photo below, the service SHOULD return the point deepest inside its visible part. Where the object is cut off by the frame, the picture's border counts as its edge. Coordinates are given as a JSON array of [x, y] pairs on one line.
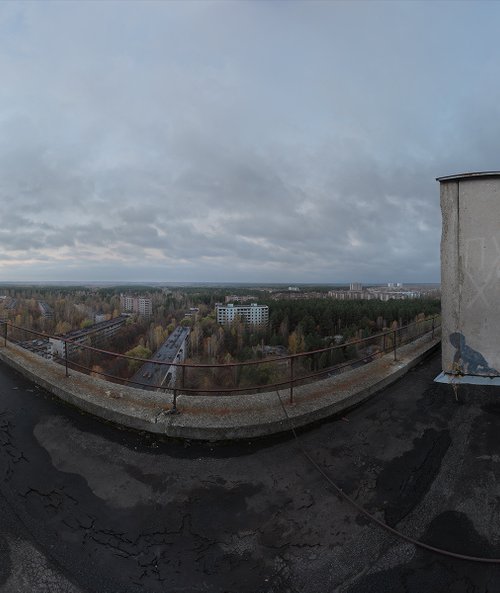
[[136, 304], [351, 295], [373, 294], [45, 310], [252, 314], [160, 376], [93, 335], [234, 298]]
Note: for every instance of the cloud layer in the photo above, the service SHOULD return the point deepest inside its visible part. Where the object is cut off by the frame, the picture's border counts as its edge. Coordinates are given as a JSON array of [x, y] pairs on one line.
[[259, 141]]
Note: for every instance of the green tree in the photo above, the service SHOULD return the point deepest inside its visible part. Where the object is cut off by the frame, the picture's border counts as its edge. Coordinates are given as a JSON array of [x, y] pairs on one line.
[[139, 352]]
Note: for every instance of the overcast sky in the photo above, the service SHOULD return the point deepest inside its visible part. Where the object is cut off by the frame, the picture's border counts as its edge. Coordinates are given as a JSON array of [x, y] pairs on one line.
[[233, 141]]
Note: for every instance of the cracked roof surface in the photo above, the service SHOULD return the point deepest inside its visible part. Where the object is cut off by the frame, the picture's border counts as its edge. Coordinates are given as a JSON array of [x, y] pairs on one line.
[[86, 507]]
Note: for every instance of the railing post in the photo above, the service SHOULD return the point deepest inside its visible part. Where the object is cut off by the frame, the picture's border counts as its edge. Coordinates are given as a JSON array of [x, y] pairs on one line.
[[394, 340], [235, 376], [183, 377], [5, 334], [174, 404], [66, 357], [291, 380], [383, 343], [432, 337], [173, 409]]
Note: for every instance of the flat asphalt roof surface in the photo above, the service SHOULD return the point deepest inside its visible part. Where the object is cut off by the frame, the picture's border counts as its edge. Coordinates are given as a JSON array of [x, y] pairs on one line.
[[85, 507]]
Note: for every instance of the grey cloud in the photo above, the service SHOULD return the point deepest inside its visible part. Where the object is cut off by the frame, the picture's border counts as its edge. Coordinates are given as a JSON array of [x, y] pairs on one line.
[[270, 141]]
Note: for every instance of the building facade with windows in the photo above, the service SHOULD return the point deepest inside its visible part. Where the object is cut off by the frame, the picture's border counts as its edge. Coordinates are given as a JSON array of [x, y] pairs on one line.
[[91, 336], [252, 314], [136, 304]]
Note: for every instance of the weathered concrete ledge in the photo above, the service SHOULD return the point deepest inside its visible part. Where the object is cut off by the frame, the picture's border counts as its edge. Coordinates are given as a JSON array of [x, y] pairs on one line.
[[218, 417]]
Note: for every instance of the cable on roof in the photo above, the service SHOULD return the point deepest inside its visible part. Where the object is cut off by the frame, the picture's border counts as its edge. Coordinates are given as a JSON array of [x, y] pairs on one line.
[[360, 509]]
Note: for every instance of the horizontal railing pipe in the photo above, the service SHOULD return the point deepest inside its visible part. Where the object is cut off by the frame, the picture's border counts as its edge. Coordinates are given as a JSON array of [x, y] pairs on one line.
[[383, 342]]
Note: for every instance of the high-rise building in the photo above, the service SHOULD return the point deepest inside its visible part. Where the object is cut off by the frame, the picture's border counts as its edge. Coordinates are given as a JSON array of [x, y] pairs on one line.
[[252, 314], [136, 304]]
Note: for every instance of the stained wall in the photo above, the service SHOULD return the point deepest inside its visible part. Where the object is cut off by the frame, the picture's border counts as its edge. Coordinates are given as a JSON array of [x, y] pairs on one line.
[[470, 273]]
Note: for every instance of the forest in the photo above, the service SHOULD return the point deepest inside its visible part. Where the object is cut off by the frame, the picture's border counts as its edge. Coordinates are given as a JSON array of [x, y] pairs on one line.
[[294, 326], [301, 326]]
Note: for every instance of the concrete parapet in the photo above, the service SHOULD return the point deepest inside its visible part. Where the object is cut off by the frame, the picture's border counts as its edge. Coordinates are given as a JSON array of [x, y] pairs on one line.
[[212, 418]]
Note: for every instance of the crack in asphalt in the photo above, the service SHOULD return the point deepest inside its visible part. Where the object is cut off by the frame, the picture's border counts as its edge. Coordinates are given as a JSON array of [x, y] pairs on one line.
[[120, 514]]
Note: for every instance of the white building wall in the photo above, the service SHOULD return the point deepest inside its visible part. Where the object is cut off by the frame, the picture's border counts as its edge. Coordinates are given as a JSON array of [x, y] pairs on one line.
[[470, 272], [252, 314]]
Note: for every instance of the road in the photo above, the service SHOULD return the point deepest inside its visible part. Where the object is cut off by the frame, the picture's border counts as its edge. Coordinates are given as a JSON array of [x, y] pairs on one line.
[[86, 507]]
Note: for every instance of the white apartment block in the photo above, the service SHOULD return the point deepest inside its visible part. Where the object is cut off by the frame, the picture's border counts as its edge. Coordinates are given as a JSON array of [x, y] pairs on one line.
[[252, 314], [141, 305]]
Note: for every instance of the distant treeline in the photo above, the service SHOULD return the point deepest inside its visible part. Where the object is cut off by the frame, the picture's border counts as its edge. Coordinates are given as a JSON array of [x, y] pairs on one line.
[[330, 316]]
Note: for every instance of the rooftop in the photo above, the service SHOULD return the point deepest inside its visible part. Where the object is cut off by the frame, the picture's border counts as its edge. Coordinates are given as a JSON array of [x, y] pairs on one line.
[[98, 509], [458, 176], [151, 374], [96, 327]]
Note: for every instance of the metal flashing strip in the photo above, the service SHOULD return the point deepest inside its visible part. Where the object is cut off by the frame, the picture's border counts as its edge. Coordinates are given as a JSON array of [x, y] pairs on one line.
[[462, 176], [467, 379]]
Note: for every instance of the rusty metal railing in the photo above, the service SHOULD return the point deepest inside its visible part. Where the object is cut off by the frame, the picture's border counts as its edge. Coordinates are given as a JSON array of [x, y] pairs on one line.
[[266, 374]]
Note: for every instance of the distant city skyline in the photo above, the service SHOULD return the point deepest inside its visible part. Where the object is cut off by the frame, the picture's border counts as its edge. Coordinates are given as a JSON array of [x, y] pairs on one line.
[[262, 142]]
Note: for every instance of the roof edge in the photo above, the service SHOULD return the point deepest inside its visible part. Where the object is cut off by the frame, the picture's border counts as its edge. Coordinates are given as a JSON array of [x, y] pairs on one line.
[[468, 175]]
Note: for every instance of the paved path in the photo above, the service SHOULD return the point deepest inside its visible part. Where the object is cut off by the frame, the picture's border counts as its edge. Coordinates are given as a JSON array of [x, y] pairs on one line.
[[85, 507]]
